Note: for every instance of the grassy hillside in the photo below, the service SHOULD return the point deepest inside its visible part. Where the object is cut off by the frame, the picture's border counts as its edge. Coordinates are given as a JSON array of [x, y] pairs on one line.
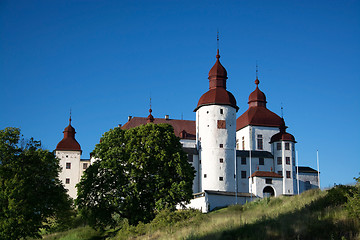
[[312, 215]]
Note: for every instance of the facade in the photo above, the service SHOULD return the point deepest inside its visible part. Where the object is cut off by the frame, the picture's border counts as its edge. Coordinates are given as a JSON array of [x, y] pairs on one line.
[[236, 159]]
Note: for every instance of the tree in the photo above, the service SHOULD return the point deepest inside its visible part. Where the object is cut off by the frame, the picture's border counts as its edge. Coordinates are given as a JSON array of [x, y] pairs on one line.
[[353, 204], [142, 171], [30, 191]]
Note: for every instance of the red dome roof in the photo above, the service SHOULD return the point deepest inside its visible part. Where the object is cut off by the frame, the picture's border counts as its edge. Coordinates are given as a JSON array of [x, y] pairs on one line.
[[257, 97], [217, 96], [217, 85], [218, 71], [258, 114], [282, 135], [69, 143]]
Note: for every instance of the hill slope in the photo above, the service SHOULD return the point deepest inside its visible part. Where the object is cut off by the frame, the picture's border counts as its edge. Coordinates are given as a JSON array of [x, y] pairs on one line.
[[312, 215]]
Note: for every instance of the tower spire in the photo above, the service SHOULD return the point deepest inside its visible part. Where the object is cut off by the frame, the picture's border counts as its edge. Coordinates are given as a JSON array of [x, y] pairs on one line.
[[70, 117], [150, 118], [257, 69]]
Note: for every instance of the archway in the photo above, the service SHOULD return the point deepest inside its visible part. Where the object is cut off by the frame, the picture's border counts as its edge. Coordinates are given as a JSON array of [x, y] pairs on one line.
[[268, 191]]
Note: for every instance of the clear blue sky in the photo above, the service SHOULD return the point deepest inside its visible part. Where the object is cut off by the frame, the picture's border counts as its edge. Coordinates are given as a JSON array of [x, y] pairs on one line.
[[104, 59]]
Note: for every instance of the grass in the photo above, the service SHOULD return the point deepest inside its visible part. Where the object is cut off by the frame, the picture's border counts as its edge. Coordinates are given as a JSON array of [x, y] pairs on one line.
[[314, 214]]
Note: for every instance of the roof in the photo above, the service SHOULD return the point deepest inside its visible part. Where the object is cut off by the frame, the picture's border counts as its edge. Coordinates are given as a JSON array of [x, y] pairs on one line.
[[224, 193], [258, 114], [68, 143], [217, 93], [217, 96], [266, 174], [282, 135], [255, 154], [185, 129], [306, 170]]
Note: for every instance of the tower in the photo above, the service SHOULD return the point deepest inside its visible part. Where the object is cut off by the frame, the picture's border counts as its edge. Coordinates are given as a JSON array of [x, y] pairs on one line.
[[215, 133], [283, 145], [69, 151]]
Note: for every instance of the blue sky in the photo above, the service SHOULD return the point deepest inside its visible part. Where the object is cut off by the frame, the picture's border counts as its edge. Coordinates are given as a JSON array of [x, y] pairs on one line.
[[104, 59]]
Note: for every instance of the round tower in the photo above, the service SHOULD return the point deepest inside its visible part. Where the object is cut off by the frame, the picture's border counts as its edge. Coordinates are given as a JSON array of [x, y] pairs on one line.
[[283, 145], [215, 133], [68, 151]]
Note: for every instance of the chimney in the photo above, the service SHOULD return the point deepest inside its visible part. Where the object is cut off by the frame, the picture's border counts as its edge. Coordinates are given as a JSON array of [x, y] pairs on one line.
[[129, 118], [119, 125], [166, 117]]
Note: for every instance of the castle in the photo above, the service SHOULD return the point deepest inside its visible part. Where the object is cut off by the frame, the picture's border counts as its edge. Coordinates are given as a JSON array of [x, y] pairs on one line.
[[236, 159]]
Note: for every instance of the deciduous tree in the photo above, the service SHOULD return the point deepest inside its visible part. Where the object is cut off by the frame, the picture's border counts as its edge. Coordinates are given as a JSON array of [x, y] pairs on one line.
[[30, 191], [142, 171]]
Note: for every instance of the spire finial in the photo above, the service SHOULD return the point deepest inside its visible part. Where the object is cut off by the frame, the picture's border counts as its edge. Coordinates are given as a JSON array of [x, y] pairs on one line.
[[70, 117], [150, 110], [257, 71], [217, 38], [282, 111]]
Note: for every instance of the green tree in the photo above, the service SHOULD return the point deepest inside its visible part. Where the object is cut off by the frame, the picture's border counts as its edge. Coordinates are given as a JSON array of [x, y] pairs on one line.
[[353, 204], [142, 171], [30, 191]]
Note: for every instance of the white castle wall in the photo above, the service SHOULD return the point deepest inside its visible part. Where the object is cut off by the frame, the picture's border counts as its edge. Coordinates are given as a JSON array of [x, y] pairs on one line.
[[250, 136], [73, 174], [258, 184], [209, 138]]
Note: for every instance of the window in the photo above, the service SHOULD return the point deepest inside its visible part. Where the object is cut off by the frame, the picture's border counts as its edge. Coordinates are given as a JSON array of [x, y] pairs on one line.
[[243, 174], [243, 161], [243, 143], [190, 158], [237, 143], [221, 124], [268, 181], [221, 145], [221, 160], [221, 111], [288, 174], [280, 173], [205, 175], [288, 160], [67, 181], [259, 142], [279, 161], [287, 146], [261, 161], [221, 178], [68, 165], [85, 165], [278, 146]]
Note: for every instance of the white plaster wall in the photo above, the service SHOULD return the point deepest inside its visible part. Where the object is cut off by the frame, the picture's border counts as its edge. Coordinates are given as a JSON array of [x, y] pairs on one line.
[[243, 183], [188, 143], [210, 138], [250, 135], [259, 185], [311, 177], [73, 173], [199, 203], [215, 201], [289, 184]]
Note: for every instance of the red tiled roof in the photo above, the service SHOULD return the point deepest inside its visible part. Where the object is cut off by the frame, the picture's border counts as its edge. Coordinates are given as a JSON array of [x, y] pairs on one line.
[[69, 143], [217, 93], [217, 96], [258, 116], [265, 174], [184, 129], [282, 135]]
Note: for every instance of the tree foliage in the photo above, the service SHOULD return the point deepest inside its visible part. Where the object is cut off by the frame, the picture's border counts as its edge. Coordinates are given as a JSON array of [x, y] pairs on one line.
[[353, 204], [142, 171], [30, 191]]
